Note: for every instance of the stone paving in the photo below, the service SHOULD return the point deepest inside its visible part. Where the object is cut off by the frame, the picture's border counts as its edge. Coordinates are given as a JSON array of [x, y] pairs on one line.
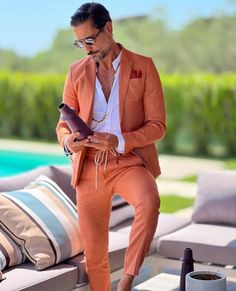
[[30, 147], [178, 167]]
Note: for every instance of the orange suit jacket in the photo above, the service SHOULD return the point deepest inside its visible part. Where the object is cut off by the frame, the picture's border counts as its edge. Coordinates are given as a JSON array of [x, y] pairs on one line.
[[141, 107]]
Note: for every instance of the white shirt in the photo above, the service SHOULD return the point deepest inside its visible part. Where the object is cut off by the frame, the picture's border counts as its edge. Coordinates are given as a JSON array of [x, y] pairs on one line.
[[110, 109]]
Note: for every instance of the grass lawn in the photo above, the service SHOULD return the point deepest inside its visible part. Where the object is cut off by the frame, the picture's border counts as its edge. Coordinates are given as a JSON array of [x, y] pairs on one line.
[[172, 203], [189, 179], [230, 164]]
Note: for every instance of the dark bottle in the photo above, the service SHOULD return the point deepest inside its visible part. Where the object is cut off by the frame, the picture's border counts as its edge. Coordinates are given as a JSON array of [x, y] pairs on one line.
[[74, 122], [187, 267]]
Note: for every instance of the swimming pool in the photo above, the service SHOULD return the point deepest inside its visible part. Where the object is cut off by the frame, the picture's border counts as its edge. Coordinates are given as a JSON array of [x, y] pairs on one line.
[[12, 162]]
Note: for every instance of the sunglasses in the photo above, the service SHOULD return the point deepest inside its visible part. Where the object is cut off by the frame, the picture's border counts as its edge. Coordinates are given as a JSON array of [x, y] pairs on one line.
[[79, 43]]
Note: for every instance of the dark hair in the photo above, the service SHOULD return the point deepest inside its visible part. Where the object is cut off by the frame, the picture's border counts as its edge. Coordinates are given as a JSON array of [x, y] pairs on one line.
[[94, 11]]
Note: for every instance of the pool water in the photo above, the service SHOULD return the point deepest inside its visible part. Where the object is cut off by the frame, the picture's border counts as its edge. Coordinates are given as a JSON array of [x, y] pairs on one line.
[[12, 163]]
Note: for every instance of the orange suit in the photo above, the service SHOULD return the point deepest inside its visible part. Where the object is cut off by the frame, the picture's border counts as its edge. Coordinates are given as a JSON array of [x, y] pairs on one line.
[[142, 118]]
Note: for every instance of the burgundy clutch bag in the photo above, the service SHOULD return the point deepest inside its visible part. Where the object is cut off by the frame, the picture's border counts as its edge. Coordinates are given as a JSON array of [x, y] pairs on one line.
[[74, 122]]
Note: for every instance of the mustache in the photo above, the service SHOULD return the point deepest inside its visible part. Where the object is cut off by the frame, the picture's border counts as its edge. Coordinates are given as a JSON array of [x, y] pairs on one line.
[[92, 53]]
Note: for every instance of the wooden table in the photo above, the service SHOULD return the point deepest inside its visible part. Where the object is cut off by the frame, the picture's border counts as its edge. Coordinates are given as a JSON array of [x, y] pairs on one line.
[[170, 282]]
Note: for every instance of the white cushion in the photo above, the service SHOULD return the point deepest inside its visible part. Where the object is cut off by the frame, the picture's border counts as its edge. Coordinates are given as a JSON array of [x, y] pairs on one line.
[[216, 198]]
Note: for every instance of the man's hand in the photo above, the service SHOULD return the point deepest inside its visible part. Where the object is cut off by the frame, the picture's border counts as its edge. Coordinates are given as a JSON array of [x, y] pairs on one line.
[[102, 141], [73, 144]]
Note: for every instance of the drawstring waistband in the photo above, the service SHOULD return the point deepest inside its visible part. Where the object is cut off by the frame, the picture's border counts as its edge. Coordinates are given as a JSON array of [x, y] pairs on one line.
[[100, 157]]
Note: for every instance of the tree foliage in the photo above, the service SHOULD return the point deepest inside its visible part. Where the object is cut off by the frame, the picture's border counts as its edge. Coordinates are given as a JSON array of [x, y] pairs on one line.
[[203, 45]]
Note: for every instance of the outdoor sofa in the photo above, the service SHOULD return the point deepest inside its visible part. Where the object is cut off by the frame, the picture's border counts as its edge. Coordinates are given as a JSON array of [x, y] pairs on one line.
[[210, 232], [70, 273]]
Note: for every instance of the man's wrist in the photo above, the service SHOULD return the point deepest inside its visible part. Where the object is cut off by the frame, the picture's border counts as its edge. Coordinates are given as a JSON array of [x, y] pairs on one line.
[[121, 143], [67, 152]]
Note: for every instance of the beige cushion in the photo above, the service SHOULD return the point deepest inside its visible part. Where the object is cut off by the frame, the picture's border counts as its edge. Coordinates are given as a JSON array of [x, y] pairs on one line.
[[43, 220], [121, 211], [119, 240], [24, 277], [210, 243], [216, 198], [10, 252], [167, 223], [118, 243]]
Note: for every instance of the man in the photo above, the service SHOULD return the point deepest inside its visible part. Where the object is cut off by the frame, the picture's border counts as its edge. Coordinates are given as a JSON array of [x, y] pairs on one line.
[[118, 94]]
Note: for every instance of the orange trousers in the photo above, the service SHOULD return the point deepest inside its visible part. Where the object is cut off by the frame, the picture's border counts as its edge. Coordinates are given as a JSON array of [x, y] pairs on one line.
[[128, 177]]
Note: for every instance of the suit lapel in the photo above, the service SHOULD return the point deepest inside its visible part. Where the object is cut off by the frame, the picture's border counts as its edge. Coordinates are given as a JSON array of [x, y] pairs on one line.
[[90, 77], [125, 71]]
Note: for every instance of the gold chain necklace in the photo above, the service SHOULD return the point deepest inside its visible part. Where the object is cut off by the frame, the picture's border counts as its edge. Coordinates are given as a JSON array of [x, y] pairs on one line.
[[104, 117], [101, 120]]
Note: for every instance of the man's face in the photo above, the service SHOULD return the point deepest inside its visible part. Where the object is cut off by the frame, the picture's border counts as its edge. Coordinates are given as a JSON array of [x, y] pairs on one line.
[[102, 39]]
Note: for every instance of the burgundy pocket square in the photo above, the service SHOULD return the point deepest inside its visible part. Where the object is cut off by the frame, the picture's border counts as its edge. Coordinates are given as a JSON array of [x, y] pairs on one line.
[[135, 74]]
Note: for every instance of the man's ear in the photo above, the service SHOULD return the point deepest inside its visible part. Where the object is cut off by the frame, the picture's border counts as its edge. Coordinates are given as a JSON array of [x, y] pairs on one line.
[[108, 27]]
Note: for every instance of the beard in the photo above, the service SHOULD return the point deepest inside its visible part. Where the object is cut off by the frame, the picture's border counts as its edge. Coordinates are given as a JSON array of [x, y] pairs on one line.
[[98, 56]]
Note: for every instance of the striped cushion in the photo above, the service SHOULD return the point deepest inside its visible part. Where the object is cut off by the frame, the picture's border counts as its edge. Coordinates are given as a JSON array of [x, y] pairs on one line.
[[43, 220], [10, 253]]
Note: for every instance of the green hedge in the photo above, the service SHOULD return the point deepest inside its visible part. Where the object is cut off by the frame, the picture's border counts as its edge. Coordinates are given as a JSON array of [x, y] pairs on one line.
[[201, 109], [28, 105]]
